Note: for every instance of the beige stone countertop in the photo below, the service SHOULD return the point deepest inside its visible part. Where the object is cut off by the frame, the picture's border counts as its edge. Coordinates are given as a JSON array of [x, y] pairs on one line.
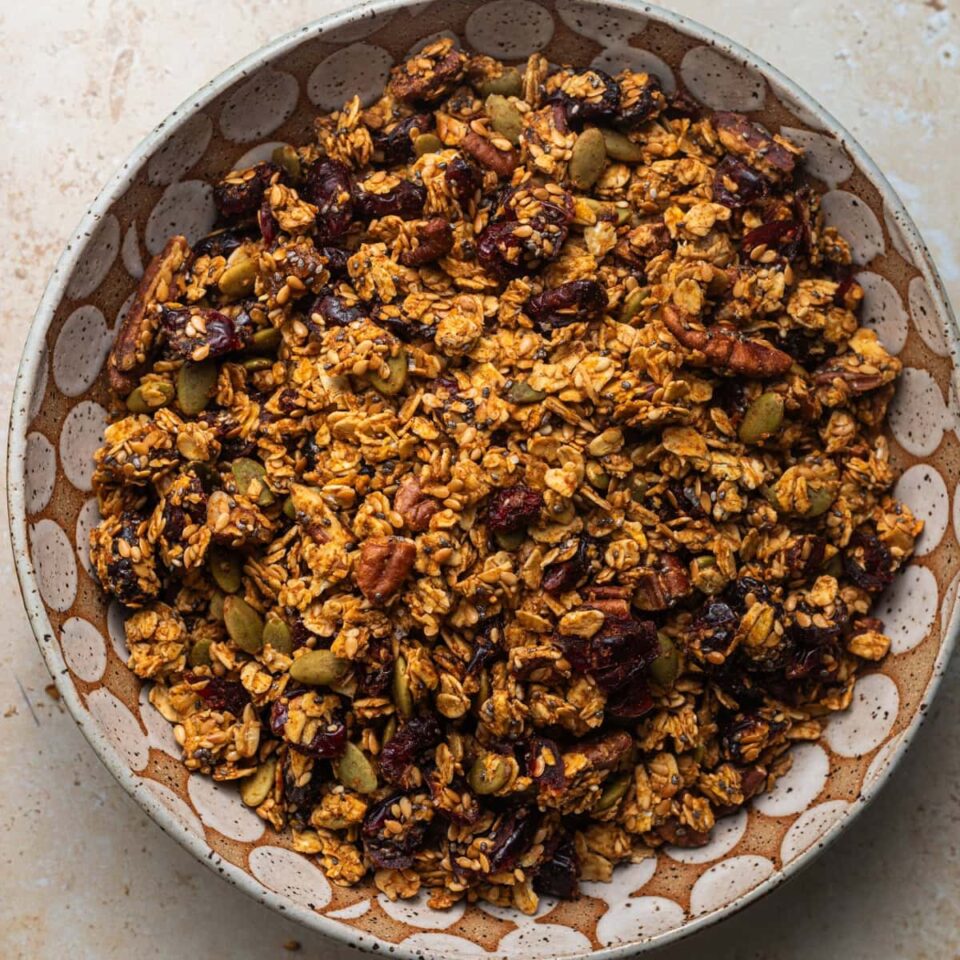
[[83, 872]]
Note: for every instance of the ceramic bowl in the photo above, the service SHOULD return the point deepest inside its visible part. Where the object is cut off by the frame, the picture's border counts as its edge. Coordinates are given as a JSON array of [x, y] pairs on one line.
[[59, 414]]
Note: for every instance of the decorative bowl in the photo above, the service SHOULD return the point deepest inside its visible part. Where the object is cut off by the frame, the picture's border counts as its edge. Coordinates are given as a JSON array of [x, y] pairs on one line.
[[59, 413]]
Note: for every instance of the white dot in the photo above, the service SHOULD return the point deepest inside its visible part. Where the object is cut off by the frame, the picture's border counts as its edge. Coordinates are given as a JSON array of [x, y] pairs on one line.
[[908, 608], [442, 945], [725, 836], [361, 69], [879, 765], [918, 414], [823, 155], [856, 222], [897, 236], [116, 617], [82, 345], [509, 29], [800, 785], [40, 471], [926, 319], [728, 881], [619, 57], [82, 434], [257, 107], [809, 827], [159, 730], [291, 875], [883, 311], [258, 154], [219, 806], [87, 519], [130, 253], [720, 82], [180, 151], [53, 564], [120, 727], [869, 718], [185, 208], [628, 878], [416, 912], [638, 918], [609, 26], [83, 649], [40, 384], [352, 912], [530, 939], [922, 489], [366, 23], [96, 260], [175, 806]]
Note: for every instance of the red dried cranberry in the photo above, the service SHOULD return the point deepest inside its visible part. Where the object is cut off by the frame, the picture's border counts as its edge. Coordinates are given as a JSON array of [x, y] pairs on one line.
[[617, 653], [500, 250], [334, 311], [749, 185], [405, 200], [643, 105], [631, 701], [784, 236], [299, 798], [220, 332], [406, 745], [560, 577], [714, 626], [328, 186], [559, 870], [236, 200], [388, 851], [544, 762], [336, 260], [396, 143], [681, 106], [221, 694], [512, 838], [867, 561], [268, 223], [464, 179], [513, 508], [221, 243], [580, 110], [577, 301]]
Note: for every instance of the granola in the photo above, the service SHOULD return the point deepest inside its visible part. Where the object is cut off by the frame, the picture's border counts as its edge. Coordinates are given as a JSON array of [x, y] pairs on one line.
[[501, 488]]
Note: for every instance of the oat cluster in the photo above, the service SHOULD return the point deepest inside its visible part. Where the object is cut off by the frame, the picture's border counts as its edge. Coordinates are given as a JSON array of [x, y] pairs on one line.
[[501, 490]]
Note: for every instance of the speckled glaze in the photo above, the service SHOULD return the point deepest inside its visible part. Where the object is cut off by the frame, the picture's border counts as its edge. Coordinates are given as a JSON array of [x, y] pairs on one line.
[[60, 409]]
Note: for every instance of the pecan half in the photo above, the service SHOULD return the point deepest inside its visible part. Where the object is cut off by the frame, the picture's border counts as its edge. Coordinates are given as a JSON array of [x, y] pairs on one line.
[[434, 240], [414, 505], [501, 162], [755, 143], [135, 342], [384, 565], [606, 753], [662, 586], [430, 74]]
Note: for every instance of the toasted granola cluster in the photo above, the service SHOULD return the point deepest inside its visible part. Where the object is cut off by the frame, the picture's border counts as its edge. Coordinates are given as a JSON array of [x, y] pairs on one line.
[[501, 489]]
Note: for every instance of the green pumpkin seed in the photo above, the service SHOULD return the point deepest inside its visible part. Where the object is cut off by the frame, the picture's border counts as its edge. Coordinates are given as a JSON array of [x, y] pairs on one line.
[[389, 730], [319, 668], [226, 568], [597, 477], [633, 303], [256, 364], [244, 624], [195, 386], [508, 84], [427, 143], [265, 340], [238, 278], [505, 118], [402, 698], [489, 773], [397, 377], [249, 472], [666, 667], [638, 489], [521, 392], [614, 791], [821, 499], [763, 418], [277, 635], [587, 160], [216, 606], [288, 158], [354, 770], [510, 540], [289, 510], [484, 689], [620, 147], [256, 788], [199, 655], [150, 396]]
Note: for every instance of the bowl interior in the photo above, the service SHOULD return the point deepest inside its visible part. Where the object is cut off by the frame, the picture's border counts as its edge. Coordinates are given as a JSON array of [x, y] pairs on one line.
[[61, 410]]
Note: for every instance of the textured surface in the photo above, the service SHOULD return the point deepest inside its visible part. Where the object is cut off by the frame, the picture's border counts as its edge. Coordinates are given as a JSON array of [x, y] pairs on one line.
[[60, 590]]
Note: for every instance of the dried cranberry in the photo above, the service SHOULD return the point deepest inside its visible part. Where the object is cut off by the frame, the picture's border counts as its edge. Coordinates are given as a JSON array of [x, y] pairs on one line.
[[785, 236], [867, 561], [500, 250], [406, 745], [268, 223], [221, 243], [405, 200], [577, 301], [736, 594], [220, 333], [631, 701], [681, 106], [512, 838], [221, 694], [328, 186], [715, 625], [334, 311], [543, 761], [513, 508], [561, 577], [236, 200], [300, 798], [336, 260], [389, 851], [595, 110], [617, 653], [488, 635], [748, 184], [396, 143], [805, 555], [559, 870], [464, 179]]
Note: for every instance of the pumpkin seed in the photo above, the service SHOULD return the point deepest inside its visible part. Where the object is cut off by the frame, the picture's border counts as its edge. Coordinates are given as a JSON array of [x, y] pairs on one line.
[[255, 364], [821, 499], [199, 655], [614, 791], [521, 392], [195, 385], [216, 606], [249, 472], [354, 770], [256, 788], [265, 340], [510, 540], [638, 489], [226, 568], [484, 688], [289, 510], [277, 634], [319, 668], [402, 699], [508, 84], [149, 397], [505, 118], [288, 158], [763, 418], [489, 773], [389, 730], [587, 159], [238, 278], [427, 143], [633, 303], [620, 147], [666, 667], [597, 477], [395, 379], [244, 624]]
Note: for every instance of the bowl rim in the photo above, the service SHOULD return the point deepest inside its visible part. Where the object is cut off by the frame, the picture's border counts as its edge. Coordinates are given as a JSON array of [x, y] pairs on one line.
[[34, 352]]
